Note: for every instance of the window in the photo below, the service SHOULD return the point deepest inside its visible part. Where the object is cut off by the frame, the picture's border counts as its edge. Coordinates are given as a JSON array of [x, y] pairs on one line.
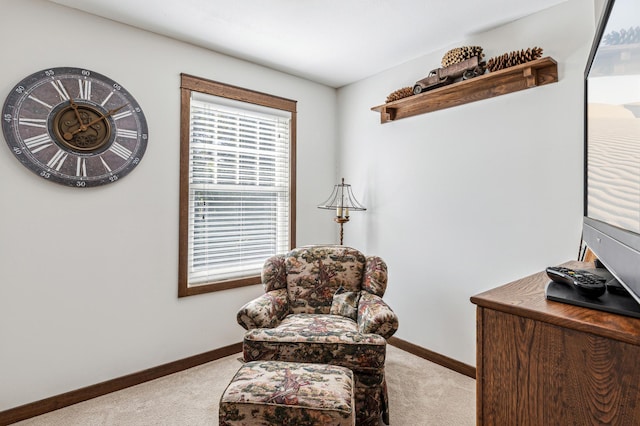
[[237, 184]]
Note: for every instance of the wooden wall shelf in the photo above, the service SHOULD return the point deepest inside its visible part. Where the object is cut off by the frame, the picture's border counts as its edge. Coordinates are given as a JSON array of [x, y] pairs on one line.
[[531, 74]]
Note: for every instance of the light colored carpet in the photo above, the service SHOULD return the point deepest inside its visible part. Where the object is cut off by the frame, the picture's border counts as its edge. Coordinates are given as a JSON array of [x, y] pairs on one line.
[[420, 393]]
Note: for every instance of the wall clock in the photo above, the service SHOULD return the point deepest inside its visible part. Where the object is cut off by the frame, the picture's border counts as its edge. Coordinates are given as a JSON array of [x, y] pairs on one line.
[[74, 127]]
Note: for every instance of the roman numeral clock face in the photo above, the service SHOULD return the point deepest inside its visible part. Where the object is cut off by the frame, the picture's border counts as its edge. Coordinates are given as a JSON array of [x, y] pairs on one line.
[[74, 127]]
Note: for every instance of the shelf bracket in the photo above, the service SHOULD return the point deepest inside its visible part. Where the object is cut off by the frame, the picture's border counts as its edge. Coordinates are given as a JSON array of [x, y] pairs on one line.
[[531, 76], [387, 114]]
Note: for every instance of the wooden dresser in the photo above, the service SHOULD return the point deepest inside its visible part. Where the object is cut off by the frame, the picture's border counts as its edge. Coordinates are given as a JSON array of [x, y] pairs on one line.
[[548, 363]]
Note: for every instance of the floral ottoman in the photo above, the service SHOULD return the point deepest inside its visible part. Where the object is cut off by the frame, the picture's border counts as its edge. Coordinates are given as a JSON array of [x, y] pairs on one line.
[[288, 393]]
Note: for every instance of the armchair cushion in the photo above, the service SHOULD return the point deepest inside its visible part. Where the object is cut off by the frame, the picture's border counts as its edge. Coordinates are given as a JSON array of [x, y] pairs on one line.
[[266, 310], [319, 338], [375, 316], [345, 303]]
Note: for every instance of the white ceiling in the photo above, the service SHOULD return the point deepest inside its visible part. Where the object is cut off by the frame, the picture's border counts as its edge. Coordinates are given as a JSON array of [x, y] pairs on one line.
[[334, 42]]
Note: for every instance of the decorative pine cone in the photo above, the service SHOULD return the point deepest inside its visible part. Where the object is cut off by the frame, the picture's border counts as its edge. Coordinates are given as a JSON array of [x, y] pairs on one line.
[[400, 93], [460, 54], [514, 58], [630, 36]]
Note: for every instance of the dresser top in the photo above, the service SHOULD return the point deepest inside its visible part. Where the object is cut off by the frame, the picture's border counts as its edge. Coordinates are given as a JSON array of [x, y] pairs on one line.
[[525, 298]]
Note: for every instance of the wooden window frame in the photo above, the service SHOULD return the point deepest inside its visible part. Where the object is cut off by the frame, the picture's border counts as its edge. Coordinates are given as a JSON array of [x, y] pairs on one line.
[[190, 84]]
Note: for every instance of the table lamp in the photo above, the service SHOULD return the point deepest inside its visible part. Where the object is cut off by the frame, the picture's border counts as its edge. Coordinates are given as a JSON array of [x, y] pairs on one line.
[[342, 201]]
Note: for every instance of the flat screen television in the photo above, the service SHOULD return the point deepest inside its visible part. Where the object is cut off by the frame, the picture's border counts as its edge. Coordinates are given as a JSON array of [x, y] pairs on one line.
[[611, 225]]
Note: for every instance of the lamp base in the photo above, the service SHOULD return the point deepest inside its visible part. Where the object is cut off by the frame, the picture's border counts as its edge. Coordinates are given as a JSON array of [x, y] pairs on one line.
[[341, 221]]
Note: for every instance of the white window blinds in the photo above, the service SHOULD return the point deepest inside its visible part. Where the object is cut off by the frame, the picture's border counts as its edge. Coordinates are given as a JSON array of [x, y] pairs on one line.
[[238, 188]]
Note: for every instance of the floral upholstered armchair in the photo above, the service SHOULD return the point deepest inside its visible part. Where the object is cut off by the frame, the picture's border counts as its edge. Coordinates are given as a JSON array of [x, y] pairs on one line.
[[323, 304]]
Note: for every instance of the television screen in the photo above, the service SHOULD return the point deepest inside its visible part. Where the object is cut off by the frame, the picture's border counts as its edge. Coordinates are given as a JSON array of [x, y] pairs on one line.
[[613, 111], [612, 144]]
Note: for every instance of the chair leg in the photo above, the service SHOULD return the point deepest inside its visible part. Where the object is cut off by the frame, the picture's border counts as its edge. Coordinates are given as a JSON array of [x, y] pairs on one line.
[[385, 402], [371, 400]]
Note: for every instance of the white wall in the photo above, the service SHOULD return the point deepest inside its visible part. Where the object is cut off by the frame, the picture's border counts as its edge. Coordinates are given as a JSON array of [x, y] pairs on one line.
[[469, 198], [88, 278]]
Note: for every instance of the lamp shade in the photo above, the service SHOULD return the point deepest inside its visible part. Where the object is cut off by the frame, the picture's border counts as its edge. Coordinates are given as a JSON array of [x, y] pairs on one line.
[[342, 200]]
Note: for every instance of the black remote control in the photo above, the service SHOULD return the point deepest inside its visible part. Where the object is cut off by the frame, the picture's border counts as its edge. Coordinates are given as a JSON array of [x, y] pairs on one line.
[[585, 282]]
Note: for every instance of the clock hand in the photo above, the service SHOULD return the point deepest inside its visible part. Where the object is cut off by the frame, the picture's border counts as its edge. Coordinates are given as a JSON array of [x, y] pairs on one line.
[[75, 110], [74, 106], [111, 111], [83, 127]]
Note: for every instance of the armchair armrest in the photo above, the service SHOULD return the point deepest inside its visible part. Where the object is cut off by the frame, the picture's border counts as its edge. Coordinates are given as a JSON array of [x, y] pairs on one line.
[[375, 316], [265, 311]]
